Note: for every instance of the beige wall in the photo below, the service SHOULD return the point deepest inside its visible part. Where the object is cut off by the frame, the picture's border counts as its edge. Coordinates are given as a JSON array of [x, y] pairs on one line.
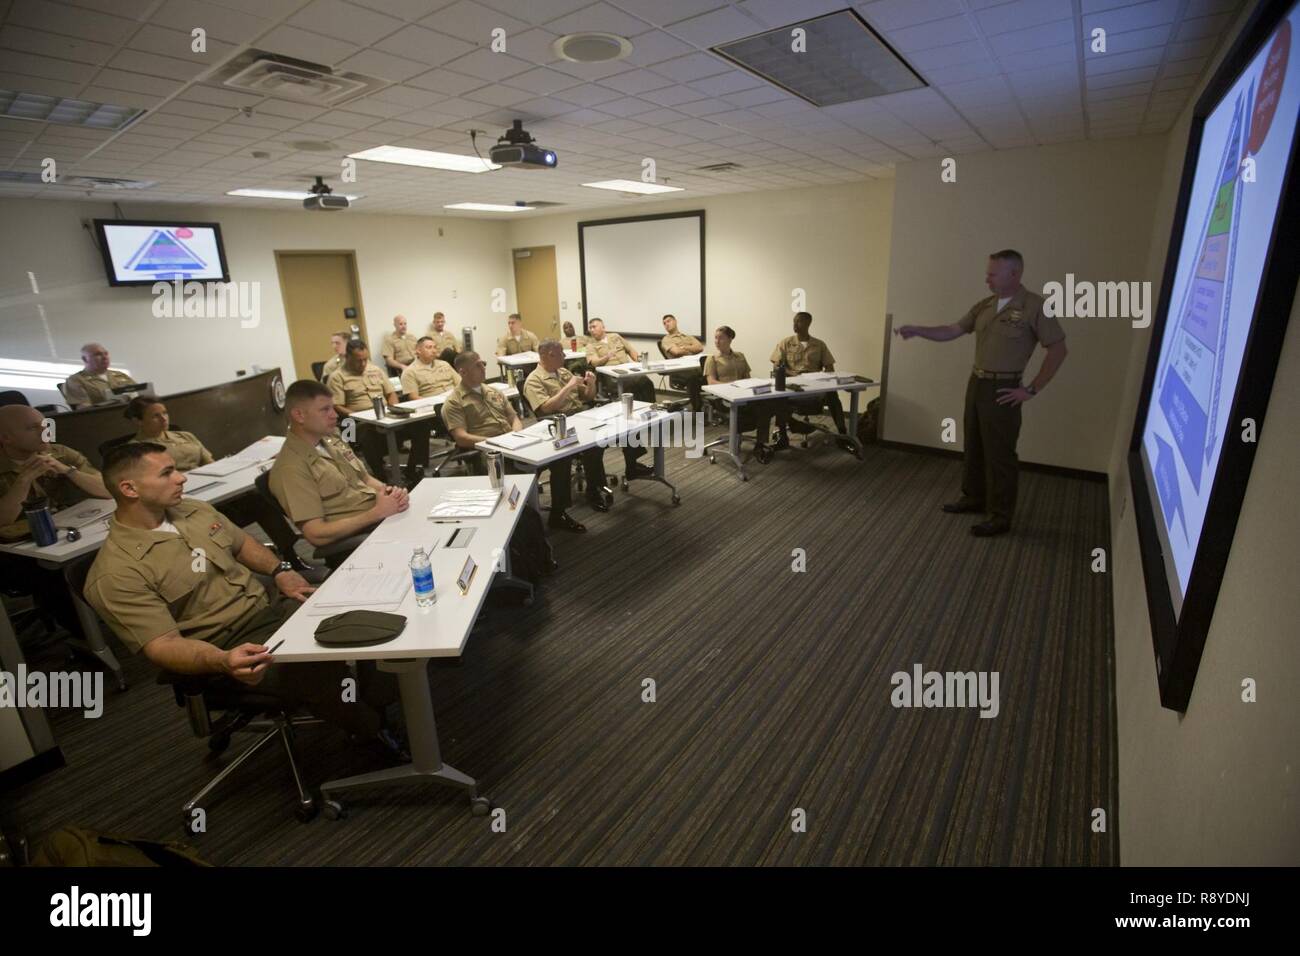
[[404, 264], [1083, 208], [1217, 785], [831, 241]]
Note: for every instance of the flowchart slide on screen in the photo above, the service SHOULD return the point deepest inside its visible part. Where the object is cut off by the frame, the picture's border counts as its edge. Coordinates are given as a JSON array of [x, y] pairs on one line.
[[1240, 172], [163, 253]]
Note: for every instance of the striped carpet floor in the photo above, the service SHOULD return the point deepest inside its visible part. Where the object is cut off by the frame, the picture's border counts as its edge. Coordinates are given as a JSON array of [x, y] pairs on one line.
[[772, 695]]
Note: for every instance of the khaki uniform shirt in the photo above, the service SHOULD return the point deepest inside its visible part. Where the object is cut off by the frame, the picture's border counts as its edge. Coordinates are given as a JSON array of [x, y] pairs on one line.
[[1005, 339], [399, 347], [59, 491], [485, 414], [145, 583], [445, 340], [508, 345], [611, 346], [86, 389], [332, 365], [311, 483], [425, 380], [726, 368], [680, 340], [354, 392], [186, 450], [800, 357], [541, 386]]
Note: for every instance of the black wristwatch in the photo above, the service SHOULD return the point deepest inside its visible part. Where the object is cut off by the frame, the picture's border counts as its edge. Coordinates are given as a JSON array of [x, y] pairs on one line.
[[282, 567], [1030, 389]]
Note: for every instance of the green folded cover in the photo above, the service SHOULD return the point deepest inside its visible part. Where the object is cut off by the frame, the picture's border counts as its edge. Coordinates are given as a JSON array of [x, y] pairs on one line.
[[359, 628]]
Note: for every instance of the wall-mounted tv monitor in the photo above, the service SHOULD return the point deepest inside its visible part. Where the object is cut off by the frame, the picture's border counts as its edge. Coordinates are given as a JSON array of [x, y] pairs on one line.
[[139, 252], [1228, 290]]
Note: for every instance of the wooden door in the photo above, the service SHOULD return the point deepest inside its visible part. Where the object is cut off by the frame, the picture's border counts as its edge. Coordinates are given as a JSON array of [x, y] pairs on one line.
[[317, 287], [537, 291]]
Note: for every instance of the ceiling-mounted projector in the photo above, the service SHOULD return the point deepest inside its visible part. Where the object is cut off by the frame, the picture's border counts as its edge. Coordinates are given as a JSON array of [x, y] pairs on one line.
[[322, 198], [516, 148]]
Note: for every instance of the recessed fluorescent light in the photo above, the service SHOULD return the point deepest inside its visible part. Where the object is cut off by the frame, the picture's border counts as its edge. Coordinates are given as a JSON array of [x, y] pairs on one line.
[[68, 112], [633, 186], [488, 207], [298, 194], [405, 156]]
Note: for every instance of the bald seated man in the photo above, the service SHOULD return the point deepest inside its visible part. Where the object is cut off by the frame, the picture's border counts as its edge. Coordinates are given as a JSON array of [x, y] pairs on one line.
[[212, 617], [319, 481], [32, 468], [398, 347], [94, 384]]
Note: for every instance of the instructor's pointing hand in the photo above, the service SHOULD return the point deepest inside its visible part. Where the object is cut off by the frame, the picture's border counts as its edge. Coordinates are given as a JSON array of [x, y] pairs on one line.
[[1014, 396]]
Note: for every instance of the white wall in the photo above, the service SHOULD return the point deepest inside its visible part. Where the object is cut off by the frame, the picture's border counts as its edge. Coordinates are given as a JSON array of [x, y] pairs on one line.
[[1083, 208], [831, 241], [1218, 785], [405, 266]]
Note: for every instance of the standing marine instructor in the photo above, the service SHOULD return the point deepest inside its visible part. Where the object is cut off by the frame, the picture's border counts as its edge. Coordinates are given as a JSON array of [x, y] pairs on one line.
[[1008, 325]]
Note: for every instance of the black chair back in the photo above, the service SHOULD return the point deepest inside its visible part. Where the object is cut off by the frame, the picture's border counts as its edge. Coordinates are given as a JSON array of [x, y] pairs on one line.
[[282, 534], [316, 369], [106, 446], [13, 397]]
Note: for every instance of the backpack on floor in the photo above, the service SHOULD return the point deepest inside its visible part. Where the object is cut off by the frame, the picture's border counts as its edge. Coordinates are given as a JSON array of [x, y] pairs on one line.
[[869, 423], [77, 846]]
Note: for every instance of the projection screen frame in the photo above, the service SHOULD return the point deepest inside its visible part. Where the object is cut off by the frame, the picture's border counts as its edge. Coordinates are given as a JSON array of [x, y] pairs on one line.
[[582, 261], [101, 240], [1179, 639]]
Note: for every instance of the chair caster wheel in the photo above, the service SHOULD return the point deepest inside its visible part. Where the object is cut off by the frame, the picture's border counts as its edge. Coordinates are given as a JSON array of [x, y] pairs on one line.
[[744, 477], [306, 812], [121, 684], [333, 809], [804, 443], [219, 744], [480, 806], [677, 499], [713, 460]]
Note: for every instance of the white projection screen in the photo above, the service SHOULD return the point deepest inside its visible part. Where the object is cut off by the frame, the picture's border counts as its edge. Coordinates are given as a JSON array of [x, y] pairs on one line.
[[637, 270]]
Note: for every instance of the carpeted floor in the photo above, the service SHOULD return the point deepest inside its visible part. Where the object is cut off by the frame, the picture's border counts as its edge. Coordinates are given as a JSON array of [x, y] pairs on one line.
[[772, 687]]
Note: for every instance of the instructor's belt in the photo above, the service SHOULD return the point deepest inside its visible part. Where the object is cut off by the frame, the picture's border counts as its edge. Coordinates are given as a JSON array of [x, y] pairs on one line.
[[996, 376]]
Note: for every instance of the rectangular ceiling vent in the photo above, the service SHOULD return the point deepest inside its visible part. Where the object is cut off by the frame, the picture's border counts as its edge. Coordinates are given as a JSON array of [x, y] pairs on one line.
[[267, 74], [75, 182], [837, 58], [719, 168]]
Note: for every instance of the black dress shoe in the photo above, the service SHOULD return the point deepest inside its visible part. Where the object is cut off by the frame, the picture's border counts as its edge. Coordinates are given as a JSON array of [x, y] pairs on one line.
[[598, 504], [987, 529], [639, 470], [963, 506], [782, 442], [561, 521], [763, 453]]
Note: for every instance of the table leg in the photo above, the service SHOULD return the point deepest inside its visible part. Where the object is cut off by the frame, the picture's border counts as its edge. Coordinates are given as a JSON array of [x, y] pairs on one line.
[[426, 757], [394, 466]]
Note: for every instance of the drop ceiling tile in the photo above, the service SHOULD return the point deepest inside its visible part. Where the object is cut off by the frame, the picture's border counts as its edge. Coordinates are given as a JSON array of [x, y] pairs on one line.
[[1135, 16], [1048, 34], [637, 81], [304, 45], [1131, 40], [26, 83], [1195, 29], [589, 94], [1120, 77], [601, 18], [626, 106], [533, 45], [938, 33], [1184, 67], [473, 22], [958, 53], [178, 45], [732, 82], [424, 46], [779, 13], [82, 23], [1112, 63], [1168, 83], [1008, 17], [447, 82], [896, 14], [591, 72], [487, 65], [42, 43], [403, 9], [1119, 92], [974, 70], [219, 96], [542, 80], [385, 66], [343, 21]]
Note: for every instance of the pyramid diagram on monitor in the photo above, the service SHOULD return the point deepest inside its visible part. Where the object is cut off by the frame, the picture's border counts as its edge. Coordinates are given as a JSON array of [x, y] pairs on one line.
[[164, 252]]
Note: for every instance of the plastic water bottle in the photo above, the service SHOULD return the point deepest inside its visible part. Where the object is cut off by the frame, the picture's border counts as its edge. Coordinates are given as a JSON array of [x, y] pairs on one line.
[[422, 577]]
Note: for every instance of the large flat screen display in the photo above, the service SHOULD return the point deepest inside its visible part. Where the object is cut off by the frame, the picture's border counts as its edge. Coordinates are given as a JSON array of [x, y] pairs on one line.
[[1208, 379], [142, 253]]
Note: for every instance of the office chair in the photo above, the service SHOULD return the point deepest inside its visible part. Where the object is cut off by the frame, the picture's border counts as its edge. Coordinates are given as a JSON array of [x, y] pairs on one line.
[[218, 711], [13, 397], [316, 369], [106, 446], [277, 527], [332, 554]]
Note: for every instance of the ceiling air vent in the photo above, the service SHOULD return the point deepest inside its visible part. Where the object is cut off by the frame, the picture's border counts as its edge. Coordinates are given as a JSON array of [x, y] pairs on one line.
[[719, 168], [285, 78], [76, 182]]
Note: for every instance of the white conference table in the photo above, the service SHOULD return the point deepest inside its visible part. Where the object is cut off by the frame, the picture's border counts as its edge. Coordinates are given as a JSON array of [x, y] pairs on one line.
[[422, 409], [812, 383], [632, 370], [602, 425], [441, 630], [60, 555]]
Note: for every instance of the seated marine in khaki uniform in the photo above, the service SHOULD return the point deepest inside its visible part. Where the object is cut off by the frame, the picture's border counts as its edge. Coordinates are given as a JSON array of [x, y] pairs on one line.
[[209, 616], [444, 340], [94, 384], [729, 366], [677, 344], [551, 389], [803, 353], [610, 348], [317, 479], [354, 387], [427, 374], [185, 448], [32, 468], [474, 411], [339, 343], [517, 339], [398, 346]]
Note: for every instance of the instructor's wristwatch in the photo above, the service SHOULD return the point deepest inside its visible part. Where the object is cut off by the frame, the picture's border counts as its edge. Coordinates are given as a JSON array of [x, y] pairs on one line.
[[1030, 389], [282, 567]]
